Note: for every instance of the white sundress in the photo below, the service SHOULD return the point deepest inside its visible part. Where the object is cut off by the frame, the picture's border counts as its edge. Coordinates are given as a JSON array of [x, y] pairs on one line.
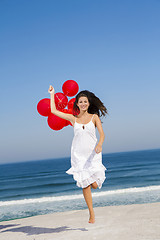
[[86, 164]]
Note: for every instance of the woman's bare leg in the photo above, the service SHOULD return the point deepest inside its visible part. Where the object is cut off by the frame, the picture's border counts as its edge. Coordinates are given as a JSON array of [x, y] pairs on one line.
[[94, 185], [88, 198]]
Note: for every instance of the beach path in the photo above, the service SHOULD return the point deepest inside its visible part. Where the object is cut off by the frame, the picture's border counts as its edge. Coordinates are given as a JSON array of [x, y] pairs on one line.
[[125, 222]]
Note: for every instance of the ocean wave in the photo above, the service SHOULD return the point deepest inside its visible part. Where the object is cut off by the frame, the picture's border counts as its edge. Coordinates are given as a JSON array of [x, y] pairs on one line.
[[78, 196]]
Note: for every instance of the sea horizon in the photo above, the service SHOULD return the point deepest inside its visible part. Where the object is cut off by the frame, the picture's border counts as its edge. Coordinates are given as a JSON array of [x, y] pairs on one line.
[[56, 158]]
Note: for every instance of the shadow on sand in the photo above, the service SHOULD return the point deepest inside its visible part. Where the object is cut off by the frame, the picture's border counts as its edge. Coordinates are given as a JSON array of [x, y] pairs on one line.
[[29, 230], [9, 225]]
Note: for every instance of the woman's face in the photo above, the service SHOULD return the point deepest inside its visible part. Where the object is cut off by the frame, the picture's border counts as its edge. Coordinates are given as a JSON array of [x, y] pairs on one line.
[[83, 103]]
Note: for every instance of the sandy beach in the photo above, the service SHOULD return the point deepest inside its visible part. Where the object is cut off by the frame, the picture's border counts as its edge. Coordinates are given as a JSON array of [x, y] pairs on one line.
[[127, 222]]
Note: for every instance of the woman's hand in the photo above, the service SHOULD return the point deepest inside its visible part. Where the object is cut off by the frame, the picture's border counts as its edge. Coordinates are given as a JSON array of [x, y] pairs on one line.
[[51, 90], [98, 148]]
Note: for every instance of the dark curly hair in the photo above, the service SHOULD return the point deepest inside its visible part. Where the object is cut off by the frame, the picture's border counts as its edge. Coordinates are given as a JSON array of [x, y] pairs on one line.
[[96, 106]]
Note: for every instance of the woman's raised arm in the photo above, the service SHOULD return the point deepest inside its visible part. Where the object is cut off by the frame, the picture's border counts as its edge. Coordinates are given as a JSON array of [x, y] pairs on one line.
[[60, 114]]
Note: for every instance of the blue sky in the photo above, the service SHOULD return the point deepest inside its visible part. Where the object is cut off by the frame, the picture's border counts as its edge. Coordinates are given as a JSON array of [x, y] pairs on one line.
[[109, 47]]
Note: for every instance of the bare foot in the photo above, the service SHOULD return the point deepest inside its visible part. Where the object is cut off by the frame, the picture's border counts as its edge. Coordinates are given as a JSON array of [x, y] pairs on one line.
[[92, 220]]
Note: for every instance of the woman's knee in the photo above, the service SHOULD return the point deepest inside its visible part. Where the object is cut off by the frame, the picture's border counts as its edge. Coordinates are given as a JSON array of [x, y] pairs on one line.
[[94, 185]]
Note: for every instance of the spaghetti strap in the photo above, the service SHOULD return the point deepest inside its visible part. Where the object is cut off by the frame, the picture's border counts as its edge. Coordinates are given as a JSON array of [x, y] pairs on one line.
[[92, 117], [84, 123]]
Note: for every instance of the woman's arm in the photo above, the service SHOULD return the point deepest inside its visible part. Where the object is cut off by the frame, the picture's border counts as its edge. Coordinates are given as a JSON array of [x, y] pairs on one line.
[[60, 114], [98, 148]]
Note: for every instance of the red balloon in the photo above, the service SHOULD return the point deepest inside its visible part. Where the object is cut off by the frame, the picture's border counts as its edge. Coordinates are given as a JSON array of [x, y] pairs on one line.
[[70, 107], [55, 122], [60, 100], [71, 103], [76, 112], [43, 107], [69, 112], [70, 88]]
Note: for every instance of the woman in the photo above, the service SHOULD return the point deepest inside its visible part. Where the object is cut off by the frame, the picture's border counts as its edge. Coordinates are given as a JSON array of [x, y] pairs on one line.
[[86, 152]]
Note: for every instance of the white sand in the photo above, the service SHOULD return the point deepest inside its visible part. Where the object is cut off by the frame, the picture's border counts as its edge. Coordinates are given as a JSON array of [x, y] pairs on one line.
[[130, 222]]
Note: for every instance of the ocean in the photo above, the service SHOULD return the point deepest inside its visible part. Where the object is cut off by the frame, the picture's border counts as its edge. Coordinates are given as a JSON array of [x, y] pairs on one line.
[[41, 187]]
